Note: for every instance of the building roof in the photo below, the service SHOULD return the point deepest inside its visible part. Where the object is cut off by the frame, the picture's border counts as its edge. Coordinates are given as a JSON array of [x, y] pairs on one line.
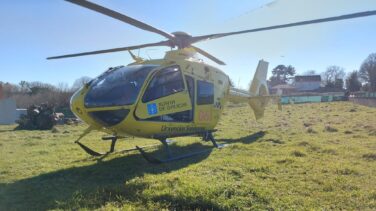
[[283, 86], [306, 78]]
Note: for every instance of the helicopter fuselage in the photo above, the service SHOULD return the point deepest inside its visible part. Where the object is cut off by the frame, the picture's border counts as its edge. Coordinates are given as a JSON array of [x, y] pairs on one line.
[[175, 96]]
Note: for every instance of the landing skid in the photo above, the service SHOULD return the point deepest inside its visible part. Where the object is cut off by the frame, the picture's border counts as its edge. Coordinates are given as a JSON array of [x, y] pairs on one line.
[[112, 147], [99, 154], [170, 158], [154, 160], [207, 136]]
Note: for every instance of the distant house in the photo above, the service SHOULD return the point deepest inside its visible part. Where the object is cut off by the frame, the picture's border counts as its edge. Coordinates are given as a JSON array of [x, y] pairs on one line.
[[304, 83], [283, 89], [9, 113]]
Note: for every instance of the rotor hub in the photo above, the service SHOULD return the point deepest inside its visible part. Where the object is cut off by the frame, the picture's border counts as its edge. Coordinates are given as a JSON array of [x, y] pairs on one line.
[[181, 39]]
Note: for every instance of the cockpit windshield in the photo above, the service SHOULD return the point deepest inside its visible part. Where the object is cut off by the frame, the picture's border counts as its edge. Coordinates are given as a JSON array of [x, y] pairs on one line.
[[117, 87]]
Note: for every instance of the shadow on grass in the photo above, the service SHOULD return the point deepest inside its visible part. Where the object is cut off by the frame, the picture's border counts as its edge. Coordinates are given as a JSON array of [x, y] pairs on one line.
[[92, 186], [245, 140], [95, 185], [6, 130]]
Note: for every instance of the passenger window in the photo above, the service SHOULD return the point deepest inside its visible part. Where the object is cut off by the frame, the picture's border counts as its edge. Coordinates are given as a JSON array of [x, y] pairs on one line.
[[205, 93], [166, 82]]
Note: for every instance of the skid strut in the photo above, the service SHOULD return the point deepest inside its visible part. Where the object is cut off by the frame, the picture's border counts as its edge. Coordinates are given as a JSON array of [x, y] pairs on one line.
[[113, 142], [96, 154], [208, 136]]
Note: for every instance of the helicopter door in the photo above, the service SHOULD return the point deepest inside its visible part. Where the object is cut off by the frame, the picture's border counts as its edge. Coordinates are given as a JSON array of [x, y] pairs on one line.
[[191, 90], [166, 97], [204, 102]]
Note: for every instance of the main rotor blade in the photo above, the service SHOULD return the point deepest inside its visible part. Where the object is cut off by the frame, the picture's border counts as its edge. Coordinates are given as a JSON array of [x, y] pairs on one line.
[[322, 20], [162, 43], [206, 54], [121, 17]]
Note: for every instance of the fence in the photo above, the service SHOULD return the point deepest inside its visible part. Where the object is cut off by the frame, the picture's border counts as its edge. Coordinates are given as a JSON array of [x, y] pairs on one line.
[[313, 97], [364, 98]]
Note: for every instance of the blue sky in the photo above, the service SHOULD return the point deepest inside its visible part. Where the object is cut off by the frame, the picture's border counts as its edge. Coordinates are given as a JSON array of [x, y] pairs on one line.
[[33, 30]]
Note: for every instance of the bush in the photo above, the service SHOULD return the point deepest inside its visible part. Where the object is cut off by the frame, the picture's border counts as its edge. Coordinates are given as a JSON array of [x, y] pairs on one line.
[[41, 117]]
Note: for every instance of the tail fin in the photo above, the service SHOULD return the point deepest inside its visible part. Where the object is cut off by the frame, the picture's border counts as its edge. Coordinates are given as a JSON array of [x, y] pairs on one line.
[[259, 88]]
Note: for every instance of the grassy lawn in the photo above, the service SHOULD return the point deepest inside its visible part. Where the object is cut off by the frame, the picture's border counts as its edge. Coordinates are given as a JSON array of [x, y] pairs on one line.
[[309, 156]]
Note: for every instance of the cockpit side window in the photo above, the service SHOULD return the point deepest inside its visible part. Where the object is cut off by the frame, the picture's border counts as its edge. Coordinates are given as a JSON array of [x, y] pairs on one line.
[[205, 93], [165, 82]]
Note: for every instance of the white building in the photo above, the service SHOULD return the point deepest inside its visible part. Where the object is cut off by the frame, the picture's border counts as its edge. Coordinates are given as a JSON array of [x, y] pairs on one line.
[[8, 112], [308, 83]]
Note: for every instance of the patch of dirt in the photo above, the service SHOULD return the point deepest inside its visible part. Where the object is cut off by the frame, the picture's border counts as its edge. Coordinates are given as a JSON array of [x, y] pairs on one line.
[[304, 144], [310, 130], [285, 161], [298, 154], [367, 127], [329, 151], [330, 129], [54, 130], [358, 136], [275, 141], [307, 124], [315, 148], [347, 171], [260, 169], [370, 156], [372, 133], [30, 144]]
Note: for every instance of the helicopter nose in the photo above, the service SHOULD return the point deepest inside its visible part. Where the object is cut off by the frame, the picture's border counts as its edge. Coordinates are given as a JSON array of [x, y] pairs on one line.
[[76, 103], [96, 116]]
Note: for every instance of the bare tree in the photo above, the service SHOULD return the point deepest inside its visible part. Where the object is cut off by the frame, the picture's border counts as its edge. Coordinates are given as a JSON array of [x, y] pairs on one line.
[[29, 93], [24, 87], [353, 83], [78, 83], [36, 87], [367, 71], [9, 89], [333, 77]]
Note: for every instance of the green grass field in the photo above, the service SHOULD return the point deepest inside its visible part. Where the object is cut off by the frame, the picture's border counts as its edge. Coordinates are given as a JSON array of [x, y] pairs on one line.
[[309, 156]]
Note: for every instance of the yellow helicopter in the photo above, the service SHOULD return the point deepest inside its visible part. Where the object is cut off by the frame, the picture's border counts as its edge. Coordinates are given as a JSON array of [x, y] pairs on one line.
[[178, 95]]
